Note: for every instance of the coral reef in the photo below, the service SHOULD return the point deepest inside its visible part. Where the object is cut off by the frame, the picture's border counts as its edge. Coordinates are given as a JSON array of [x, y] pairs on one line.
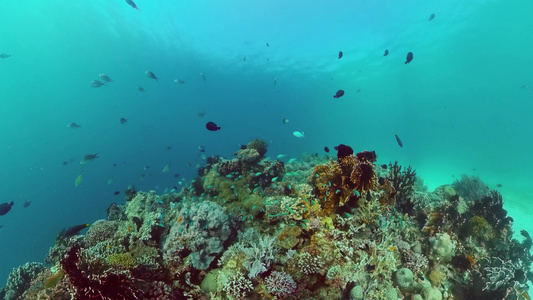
[[312, 228]]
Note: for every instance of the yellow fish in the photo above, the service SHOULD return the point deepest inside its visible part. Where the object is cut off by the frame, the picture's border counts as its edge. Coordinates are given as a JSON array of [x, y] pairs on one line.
[[79, 179]]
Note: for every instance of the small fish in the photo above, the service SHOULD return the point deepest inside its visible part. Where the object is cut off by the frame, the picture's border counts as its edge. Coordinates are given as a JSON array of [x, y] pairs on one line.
[[386, 52], [384, 166], [73, 125], [409, 57], [358, 90], [268, 45], [326, 149], [201, 115], [244, 58], [78, 180], [140, 89], [116, 193], [398, 140], [5, 208], [169, 147], [109, 181], [151, 75], [5, 55], [285, 121], [166, 168], [203, 76], [179, 81], [201, 148], [123, 120], [132, 4], [339, 94], [176, 175], [27, 203], [73, 230], [212, 126], [298, 134], [292, 160], [275, 80], [105, 78], [499, 185], [88, 158], [340, 54], [392, 248], [65, 163], [431, 17], [281, 156], [96, 84]]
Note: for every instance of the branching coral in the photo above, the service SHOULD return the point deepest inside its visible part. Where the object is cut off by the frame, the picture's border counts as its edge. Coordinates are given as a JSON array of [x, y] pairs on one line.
[[403, 182], [280, 284], [471, 188]]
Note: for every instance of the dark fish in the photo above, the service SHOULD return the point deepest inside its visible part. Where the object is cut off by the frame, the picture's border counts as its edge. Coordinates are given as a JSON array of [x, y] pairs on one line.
[[65, 163], [73, 125], [212, 126], [123, 120], [200, 115], [244, 58], [201, 148], [74, 230], [27, 203], [431, 17], [326, 149], [384, 166], [358, 90], [340, 54], [1, 226], [116, 193], [5, 208], [176, 175], [140, 89], [268, 59], [5, 55], [409, 57], [398, 140], [169, 147], [268, 45], [339, 94], [285, 121], [381, 180], [386, 52], [499, 185], [151, 75], [96, 83], [132, 4], [114, 165]]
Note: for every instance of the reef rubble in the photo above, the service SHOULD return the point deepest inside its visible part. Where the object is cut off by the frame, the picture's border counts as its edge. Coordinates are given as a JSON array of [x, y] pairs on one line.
[[314, 228]]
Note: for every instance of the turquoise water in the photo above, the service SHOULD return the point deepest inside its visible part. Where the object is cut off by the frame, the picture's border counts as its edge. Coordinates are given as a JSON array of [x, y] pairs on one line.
[[461, 106]]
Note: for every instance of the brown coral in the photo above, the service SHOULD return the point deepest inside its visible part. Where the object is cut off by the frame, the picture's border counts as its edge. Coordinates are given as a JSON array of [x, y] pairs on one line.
[[363, 176]]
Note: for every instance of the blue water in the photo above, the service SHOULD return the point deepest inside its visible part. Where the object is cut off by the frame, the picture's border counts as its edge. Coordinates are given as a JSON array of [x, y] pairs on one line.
[[462, 105]]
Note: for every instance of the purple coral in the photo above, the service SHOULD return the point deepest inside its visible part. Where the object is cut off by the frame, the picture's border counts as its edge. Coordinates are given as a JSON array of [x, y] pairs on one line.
[[105, 287], [280, 284]]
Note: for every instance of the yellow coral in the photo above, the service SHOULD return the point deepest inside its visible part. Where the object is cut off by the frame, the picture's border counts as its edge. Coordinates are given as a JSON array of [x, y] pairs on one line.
[[121, 260]]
